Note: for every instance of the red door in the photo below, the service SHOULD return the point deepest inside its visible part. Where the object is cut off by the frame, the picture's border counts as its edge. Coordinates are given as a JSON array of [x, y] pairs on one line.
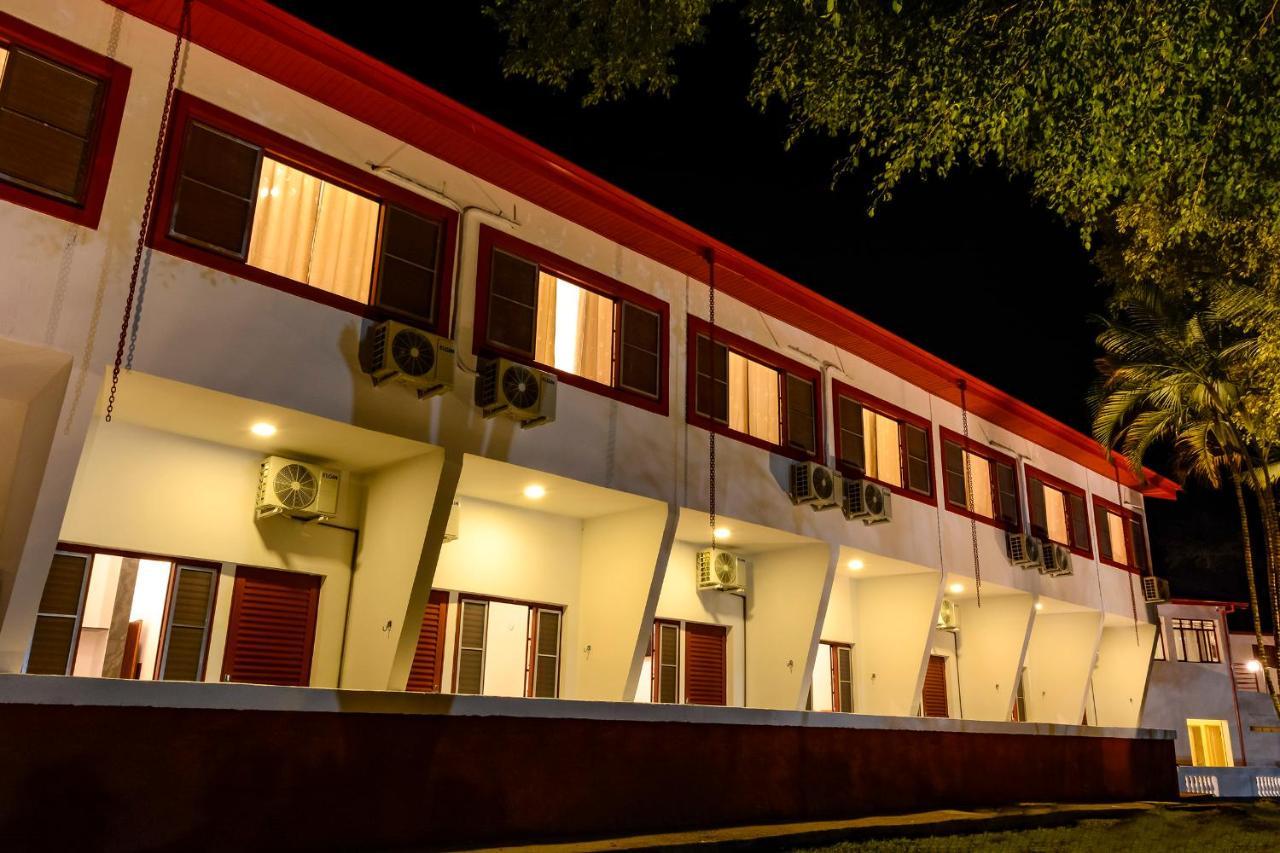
[[934, 698], [428, 658], [704, 664], [272, 627]]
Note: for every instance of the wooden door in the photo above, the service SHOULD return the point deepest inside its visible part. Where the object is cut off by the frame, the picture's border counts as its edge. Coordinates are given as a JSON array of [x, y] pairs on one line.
[[272, 627], [426, 674], [704, 664], [934, 696]]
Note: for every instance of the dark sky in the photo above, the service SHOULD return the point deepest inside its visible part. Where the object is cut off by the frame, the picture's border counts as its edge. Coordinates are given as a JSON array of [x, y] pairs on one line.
[[967, 267]]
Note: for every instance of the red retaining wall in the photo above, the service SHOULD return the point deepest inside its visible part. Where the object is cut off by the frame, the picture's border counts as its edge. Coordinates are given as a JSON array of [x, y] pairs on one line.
[[146, 778]]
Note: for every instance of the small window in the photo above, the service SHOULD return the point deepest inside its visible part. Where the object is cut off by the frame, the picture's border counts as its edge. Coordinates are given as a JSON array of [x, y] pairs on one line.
[[875, 440], [994, 479], [1058, 512], [1195, 640], [754, 399]]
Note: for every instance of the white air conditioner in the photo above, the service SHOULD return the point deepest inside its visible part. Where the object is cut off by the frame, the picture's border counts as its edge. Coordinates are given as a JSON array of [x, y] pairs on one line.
[[866, 500], [1056, 560], [948, 616], [296, 489], [717, 569], [416, 358], [1024, 550], [815, 485], [516, 391], [1155, 590]]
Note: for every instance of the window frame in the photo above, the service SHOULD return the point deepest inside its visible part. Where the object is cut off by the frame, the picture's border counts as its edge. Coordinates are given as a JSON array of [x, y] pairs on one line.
[[835, 647], [167, 623], [491, 239], [188, 109], [1194, 628], [1127, 517], [115, 78], [776, 361], [903, 418], [991, 456], [1031, 474], [655, 664], [455, 606]]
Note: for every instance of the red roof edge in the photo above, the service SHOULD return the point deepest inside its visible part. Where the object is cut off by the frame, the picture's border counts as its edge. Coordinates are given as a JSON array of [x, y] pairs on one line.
[[279, 46], [1230, 606]]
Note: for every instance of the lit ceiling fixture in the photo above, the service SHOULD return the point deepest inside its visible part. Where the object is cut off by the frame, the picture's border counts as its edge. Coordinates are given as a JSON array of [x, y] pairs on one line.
[[1039, 605], [956, 588], [856, 565], [535, 492], [1253, 666], [263, 429], [721, 533]]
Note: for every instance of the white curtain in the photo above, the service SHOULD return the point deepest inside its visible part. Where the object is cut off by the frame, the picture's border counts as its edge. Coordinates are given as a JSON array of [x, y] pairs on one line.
[[575, 329], [880, 441], [1055, 513], [4, 57], [1115, 532], [754, 399], [981, 501]]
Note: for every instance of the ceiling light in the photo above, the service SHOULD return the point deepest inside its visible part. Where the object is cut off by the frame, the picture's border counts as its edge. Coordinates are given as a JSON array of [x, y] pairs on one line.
[[535, 492], [1039, 605], [1253, 666], [956, 588], [264, 429], [856, 564], [721, 533]]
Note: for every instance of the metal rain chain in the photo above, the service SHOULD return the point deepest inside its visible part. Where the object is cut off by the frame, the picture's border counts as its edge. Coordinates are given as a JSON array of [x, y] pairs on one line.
[[968, 485], [184, 21], [1133, 598], [711, 434]]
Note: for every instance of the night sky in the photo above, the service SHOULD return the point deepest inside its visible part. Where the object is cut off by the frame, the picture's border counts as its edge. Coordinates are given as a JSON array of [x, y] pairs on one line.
[[968, 267]]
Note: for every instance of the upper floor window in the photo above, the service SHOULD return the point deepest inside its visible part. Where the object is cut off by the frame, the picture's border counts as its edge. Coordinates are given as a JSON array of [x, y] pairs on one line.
[[743, 390], [988, 490], [1195, 640], [1122, 540], [591, 331], [882, 442], [260, 206], [60, 110], [1058, 511]]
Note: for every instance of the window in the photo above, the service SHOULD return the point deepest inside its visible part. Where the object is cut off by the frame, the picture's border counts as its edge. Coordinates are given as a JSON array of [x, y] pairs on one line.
[[506, 648], [245, 200], [469, 668], [58, 615], [591, 331], [994, 479], [665, 673], [1122, 540], [544, 675], [742, 390], [881, 442], [186, 635], [1058, 511], [60, 111], [841, 677], [1195, 640]]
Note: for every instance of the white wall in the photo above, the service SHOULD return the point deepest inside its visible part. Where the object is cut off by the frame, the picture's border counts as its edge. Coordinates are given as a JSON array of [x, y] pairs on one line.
[[1119, 679], [895, 619], [784, 603], [1059, 659], [992, 638]]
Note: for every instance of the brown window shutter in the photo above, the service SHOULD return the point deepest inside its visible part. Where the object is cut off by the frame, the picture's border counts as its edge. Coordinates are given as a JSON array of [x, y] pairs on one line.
[[1138, 559], [1079, 517], [853, 447], [546, 654], [1036, 508], [1007, 489], [216, 192], [408, 266], [513, 303], [469, 674], [272, 627], [641, 356], [704, 664], [934, 697], [802, 415], [428, 658], [843, 677], [711, 379], [58, 616], [1103, 532], [916, 445], [48, 115], [666, 663], [187, 631], [954, 482]]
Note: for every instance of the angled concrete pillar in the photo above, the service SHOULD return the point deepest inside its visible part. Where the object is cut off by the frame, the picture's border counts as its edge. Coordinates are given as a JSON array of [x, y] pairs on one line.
[[1059, 659], [991, 642], [895, 618], [1120, 677]]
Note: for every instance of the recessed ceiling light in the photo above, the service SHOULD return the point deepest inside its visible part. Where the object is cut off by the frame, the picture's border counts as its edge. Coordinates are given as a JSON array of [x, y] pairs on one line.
[[263, 429], [1039, 605], [535, 492], [956, 588], [1253, 666], [721, 533], [856, 564]]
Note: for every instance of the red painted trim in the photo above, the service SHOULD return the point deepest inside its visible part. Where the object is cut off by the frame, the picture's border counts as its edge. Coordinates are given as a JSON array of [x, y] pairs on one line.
[[588, 279], [282, 48], [1030, 473], [188, 108], [1127, 515], [106, 132], [977, 448], [137, 555], [763, 355], [889, 410]]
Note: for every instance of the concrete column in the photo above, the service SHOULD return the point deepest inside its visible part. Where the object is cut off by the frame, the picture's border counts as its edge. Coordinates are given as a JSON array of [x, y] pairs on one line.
[[895, 616], [1059, 659], [1120, 677], [991, 639]]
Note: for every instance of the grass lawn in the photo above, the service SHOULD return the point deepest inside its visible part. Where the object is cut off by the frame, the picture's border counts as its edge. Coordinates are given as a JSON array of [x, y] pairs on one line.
[[1228, 827]]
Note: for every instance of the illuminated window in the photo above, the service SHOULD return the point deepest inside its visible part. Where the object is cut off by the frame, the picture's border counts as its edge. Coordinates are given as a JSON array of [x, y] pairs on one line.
[[994, 492], [1210, 743], [1058, 511], [889, 448], [754, 399], [1195, 640], [1122, 538]]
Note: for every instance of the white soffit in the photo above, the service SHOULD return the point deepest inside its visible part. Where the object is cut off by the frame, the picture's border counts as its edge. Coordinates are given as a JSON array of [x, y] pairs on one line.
[[505, 483]]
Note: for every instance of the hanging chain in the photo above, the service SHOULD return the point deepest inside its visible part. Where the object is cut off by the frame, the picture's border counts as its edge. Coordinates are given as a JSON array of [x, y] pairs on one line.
[[149, 205], [1133, 598], [711, 434], [968, 485]]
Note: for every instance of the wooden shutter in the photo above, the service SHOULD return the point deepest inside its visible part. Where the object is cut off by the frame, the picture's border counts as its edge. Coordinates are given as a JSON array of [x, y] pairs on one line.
[[426, 673], [1103, 532], [916, 444], [513, 303], [853, 447], [58, 616], [1079, 517], [1138, 556], [217, 190], [641, 351], [842, 678], [545, 675], [934, 697], [954, 482], [666, 662], [711, 379], [802, 417], [468, 673], [704, 664], [48, 119], [1007, 490], [408, 266], [187, 629], [272, 627], [1036, 508]]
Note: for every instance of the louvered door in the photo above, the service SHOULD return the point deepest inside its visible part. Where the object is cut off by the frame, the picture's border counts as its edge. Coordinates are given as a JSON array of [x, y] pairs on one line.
[[425, 676], [934, 697], [704, 664], [58, 616], [272, 627]]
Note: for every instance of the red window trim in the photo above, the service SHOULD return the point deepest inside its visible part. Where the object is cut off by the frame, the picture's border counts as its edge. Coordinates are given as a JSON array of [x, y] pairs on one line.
[[1063, 486], [188, 108], [769, 358], [115, 78], [1127, 515], [991, 455], [588, 279], [902, 416]]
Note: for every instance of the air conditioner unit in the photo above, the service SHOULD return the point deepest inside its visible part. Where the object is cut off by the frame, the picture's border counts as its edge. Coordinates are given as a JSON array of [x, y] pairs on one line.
[[717, 569], [948, 616], [1024, 550], [416, 358], [516, 391], [1155, 590], [296, 489], [866, 500], [1056, 560], [815, 485]]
